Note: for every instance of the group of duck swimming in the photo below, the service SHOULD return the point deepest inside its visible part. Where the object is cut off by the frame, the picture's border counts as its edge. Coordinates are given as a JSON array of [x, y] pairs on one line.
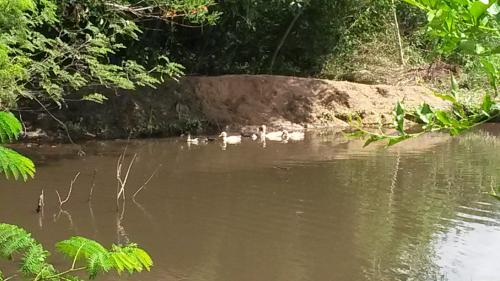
[[262, 135]]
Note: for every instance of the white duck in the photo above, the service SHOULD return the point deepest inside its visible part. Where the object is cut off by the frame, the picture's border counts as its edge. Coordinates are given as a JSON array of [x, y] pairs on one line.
[[230, 139], [272, 136], [192, 141], [293, 136]]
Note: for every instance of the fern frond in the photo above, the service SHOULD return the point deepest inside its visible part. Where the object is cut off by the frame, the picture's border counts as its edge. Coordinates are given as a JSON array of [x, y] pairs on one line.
[[93, 253], [10, 127], [130, 258], [13, 164], [80, 246], [34, 262], [14, 239], [98, 259]]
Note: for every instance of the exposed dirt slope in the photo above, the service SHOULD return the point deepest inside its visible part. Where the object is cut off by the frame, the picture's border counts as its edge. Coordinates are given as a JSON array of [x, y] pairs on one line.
[[233, 101], [249, 100]]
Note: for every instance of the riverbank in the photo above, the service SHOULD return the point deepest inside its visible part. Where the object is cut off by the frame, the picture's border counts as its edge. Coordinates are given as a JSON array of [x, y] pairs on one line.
[[230, 102]]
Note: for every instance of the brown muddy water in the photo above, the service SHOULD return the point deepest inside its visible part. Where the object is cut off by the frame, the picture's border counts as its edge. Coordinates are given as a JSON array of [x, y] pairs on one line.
[[322, 209]]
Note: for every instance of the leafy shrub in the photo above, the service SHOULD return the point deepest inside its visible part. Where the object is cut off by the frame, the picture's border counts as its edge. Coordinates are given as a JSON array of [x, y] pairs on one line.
[[92, 256], [13, 164]]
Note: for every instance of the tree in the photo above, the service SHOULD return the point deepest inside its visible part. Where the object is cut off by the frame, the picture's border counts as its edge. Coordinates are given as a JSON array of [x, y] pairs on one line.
[[49, 48]]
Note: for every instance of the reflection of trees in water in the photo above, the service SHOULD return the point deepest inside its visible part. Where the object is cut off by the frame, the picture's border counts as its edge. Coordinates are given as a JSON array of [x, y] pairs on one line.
[[395, 224]]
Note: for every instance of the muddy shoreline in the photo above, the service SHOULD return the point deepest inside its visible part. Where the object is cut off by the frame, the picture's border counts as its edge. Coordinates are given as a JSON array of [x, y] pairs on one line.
[[207, 105]]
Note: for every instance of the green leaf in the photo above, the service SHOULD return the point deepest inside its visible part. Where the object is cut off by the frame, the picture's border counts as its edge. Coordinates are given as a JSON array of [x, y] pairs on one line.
[[477, 10], [95, 97], [443, 117], [424, 113], [399, 118], [487, 103], [446, 97], [14, 239], [491, 71], [130, 258], [80, 246], [13, 164], [372, 139], [10, 127], [393, 141]]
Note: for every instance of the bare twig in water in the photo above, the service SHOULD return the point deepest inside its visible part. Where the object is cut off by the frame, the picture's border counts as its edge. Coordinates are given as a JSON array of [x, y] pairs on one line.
[[146, 182], [62, 202], [40, 209], [92, 185], [41, 203], [122, 181]]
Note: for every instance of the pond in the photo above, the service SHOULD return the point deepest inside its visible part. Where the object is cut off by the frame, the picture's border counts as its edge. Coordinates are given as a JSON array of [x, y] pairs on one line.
[[321, 209]]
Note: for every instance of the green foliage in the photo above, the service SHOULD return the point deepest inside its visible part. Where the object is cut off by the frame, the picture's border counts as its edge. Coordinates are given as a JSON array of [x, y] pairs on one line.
[[455, 121], [13, 164], [95, 258], [468, 25], [49, 48], [298, 36], [464, 27], [10, 127], [15, 240], [98, 259], [468, 30]]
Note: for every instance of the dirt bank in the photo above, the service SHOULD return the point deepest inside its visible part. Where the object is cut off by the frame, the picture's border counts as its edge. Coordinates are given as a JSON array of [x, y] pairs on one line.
[[230, 102]]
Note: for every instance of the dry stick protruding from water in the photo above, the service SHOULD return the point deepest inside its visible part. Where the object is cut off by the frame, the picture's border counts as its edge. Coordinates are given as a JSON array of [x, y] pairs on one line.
[[62, 202], [122, 182], [146, 182], [92, 185], [39, 208], [41, 203]]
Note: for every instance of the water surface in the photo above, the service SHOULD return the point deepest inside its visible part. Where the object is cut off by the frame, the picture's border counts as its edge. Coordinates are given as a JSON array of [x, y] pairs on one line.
[[322, 209]]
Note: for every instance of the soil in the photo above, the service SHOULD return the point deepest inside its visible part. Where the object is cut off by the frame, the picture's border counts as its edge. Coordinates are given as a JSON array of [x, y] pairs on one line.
[[230, 102]]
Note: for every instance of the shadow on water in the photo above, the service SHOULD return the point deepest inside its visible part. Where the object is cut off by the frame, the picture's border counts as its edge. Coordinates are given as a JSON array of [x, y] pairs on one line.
[[322, 209]]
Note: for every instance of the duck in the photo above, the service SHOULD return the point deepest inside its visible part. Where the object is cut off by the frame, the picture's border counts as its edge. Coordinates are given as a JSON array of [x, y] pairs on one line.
[[293, 136], [230, 139], [192, 141], [272, 136]]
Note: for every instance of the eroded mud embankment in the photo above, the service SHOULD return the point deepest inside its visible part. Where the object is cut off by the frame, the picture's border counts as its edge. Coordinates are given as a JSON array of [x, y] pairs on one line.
[[229, 102]]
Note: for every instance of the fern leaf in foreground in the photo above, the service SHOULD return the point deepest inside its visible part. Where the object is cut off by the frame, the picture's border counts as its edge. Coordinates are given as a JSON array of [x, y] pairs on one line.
[[83, 249], [13, 164], [130, 258], [10, 127], [98, 259], [14, 239]]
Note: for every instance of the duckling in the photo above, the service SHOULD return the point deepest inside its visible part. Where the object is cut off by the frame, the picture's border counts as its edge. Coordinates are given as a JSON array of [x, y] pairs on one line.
[[230, 139], [293, 136], [272, 136], [192, 141]]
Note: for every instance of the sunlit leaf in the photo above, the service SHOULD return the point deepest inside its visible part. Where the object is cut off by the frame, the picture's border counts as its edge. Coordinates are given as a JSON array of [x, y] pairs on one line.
[[372, 139]]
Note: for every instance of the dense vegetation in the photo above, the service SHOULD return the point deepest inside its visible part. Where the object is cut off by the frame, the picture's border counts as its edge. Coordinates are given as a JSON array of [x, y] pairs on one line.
[[93, 257], [469, 29], [285, 37], [50, 48]]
